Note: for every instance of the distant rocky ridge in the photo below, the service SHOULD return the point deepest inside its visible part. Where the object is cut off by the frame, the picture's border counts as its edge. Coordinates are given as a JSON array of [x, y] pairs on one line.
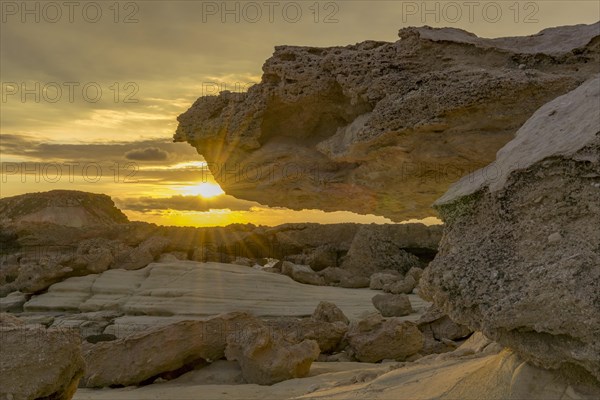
[[382, 128], [39, 247], [61, 207]]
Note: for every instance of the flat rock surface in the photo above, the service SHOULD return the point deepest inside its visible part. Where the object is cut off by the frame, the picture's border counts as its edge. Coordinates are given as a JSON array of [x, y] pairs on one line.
[[165, 292]]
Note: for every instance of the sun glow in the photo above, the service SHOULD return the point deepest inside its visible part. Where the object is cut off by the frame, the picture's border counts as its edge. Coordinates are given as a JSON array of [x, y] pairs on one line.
[[206, 190]]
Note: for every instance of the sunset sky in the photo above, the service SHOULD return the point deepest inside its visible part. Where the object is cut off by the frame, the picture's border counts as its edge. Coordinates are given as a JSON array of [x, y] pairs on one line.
[[90, 95]]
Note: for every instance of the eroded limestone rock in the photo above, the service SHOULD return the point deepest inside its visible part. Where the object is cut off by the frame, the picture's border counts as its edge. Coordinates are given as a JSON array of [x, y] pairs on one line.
[[382, 128], [502, 268]]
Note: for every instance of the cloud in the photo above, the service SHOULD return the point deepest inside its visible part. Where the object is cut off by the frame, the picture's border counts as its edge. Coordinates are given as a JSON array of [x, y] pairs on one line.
[[185, 203], [30, 148], [147, 154]]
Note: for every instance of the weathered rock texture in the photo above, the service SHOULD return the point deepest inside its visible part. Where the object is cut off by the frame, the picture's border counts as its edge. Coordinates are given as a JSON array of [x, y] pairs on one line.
[[139, 357], [38, 363], [382, 128], [375, 338], [520, 259], [267, 357]]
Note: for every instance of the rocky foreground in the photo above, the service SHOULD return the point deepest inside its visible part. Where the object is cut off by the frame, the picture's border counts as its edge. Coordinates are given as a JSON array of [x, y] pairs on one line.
[[133, 311]]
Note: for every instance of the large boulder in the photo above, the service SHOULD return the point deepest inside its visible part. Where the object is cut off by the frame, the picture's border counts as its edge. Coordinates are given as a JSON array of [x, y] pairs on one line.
[[382, 128], [520, 259], [266, 357], [141, 356], [374, 339], [38, 363]]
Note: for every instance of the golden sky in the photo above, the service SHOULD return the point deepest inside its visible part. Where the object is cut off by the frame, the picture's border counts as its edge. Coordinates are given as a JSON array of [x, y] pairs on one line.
[[91, 92]]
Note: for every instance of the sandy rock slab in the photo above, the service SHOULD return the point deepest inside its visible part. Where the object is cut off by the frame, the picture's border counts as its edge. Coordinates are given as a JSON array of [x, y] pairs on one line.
[[196, 290], [36, 362]]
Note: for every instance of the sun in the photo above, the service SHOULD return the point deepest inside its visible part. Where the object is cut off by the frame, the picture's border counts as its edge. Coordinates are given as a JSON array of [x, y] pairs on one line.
[[206, 190]]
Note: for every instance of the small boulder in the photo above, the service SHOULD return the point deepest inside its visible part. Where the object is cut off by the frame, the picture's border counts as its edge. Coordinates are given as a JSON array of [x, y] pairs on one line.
[[436, 323], [402, 286], [302, 274], [13, 302], [328, 335], [392, 305], [266, 357], [329, 312], [322, 257], [374, 339], [333, 275], [380, 279]]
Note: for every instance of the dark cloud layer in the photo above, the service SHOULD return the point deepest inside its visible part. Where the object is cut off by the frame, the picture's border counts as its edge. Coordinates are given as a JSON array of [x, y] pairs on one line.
[[185, 203], [160, 150], [147, 154]]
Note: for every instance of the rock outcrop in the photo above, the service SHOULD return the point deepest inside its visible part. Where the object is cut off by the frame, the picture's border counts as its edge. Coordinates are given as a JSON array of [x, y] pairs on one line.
[[520, 259], [61, 207], [38, 363], [382, 128], [34, 255]]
